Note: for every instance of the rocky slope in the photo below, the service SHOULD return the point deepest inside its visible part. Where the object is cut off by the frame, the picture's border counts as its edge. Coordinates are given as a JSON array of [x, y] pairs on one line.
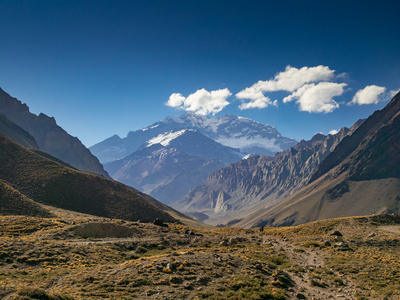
[[231, 131], [229, 193], [362, 176], [45, 181], [49, 136]]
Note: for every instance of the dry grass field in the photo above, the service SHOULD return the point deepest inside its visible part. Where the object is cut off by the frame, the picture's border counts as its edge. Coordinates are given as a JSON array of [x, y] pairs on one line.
[[76, 256]]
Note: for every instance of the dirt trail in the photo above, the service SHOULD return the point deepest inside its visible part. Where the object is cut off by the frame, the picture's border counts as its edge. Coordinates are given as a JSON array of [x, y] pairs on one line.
[[310, 259]]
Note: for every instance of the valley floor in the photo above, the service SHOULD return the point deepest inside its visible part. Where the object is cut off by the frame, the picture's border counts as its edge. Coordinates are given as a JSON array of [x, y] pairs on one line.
[[85, 257]]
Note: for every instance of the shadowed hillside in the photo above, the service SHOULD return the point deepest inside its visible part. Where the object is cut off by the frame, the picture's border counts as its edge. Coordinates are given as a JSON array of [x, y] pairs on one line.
[[51, 183]]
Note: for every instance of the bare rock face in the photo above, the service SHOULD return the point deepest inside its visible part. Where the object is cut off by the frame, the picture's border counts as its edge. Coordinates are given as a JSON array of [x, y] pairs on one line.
[[221, 206], [49, 136]]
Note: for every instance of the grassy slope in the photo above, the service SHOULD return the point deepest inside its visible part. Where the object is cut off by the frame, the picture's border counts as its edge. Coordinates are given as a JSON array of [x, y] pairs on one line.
[[51, 183]]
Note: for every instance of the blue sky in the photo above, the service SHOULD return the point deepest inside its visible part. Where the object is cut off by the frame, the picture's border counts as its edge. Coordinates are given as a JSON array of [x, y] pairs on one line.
[[108, 67]]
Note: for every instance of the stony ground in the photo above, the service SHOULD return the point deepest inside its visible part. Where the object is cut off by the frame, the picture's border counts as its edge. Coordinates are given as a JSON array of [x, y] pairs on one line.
[[84, 257]]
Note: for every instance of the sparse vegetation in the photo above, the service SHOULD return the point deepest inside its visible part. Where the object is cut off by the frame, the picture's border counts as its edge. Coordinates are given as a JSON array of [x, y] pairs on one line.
[[114, 259]]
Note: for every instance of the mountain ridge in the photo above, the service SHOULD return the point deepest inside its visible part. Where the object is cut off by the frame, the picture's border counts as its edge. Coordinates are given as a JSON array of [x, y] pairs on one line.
[[50, 137]]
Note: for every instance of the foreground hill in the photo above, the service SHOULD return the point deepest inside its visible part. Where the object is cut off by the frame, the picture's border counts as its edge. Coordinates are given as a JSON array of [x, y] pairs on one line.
[[50, 137], [233, 192], [48, 182], [361, 176], [82, 257]]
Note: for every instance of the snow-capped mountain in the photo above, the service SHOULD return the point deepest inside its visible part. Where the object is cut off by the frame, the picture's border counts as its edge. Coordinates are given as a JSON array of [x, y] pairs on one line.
[[170, 157], [236, 132]]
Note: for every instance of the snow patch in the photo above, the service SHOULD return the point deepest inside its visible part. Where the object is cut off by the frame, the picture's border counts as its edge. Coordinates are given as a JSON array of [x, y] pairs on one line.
[[166, 138], [152, 127]]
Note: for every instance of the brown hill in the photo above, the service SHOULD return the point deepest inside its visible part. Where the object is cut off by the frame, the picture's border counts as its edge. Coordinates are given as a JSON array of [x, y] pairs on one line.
[[48, 182], [362, 176], [49, 136], [235, 191]]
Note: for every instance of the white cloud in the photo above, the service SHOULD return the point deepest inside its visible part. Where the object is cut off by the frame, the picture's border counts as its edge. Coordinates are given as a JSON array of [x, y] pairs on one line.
[[201, 102], [369, 95], [258, 103], [288, 80], [176, 100], [317, 98], [333, 131], [393, 93]]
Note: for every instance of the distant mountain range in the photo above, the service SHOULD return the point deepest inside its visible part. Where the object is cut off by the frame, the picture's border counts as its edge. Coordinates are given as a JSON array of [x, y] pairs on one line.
[[360, 177], [235, 132], [44, 133], [172, 156], [230, 193]]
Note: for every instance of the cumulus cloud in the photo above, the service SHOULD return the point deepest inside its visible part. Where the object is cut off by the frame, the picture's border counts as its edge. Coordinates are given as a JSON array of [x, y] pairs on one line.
[[317, 98], [201, 102], [369, 95], [288, 80]]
